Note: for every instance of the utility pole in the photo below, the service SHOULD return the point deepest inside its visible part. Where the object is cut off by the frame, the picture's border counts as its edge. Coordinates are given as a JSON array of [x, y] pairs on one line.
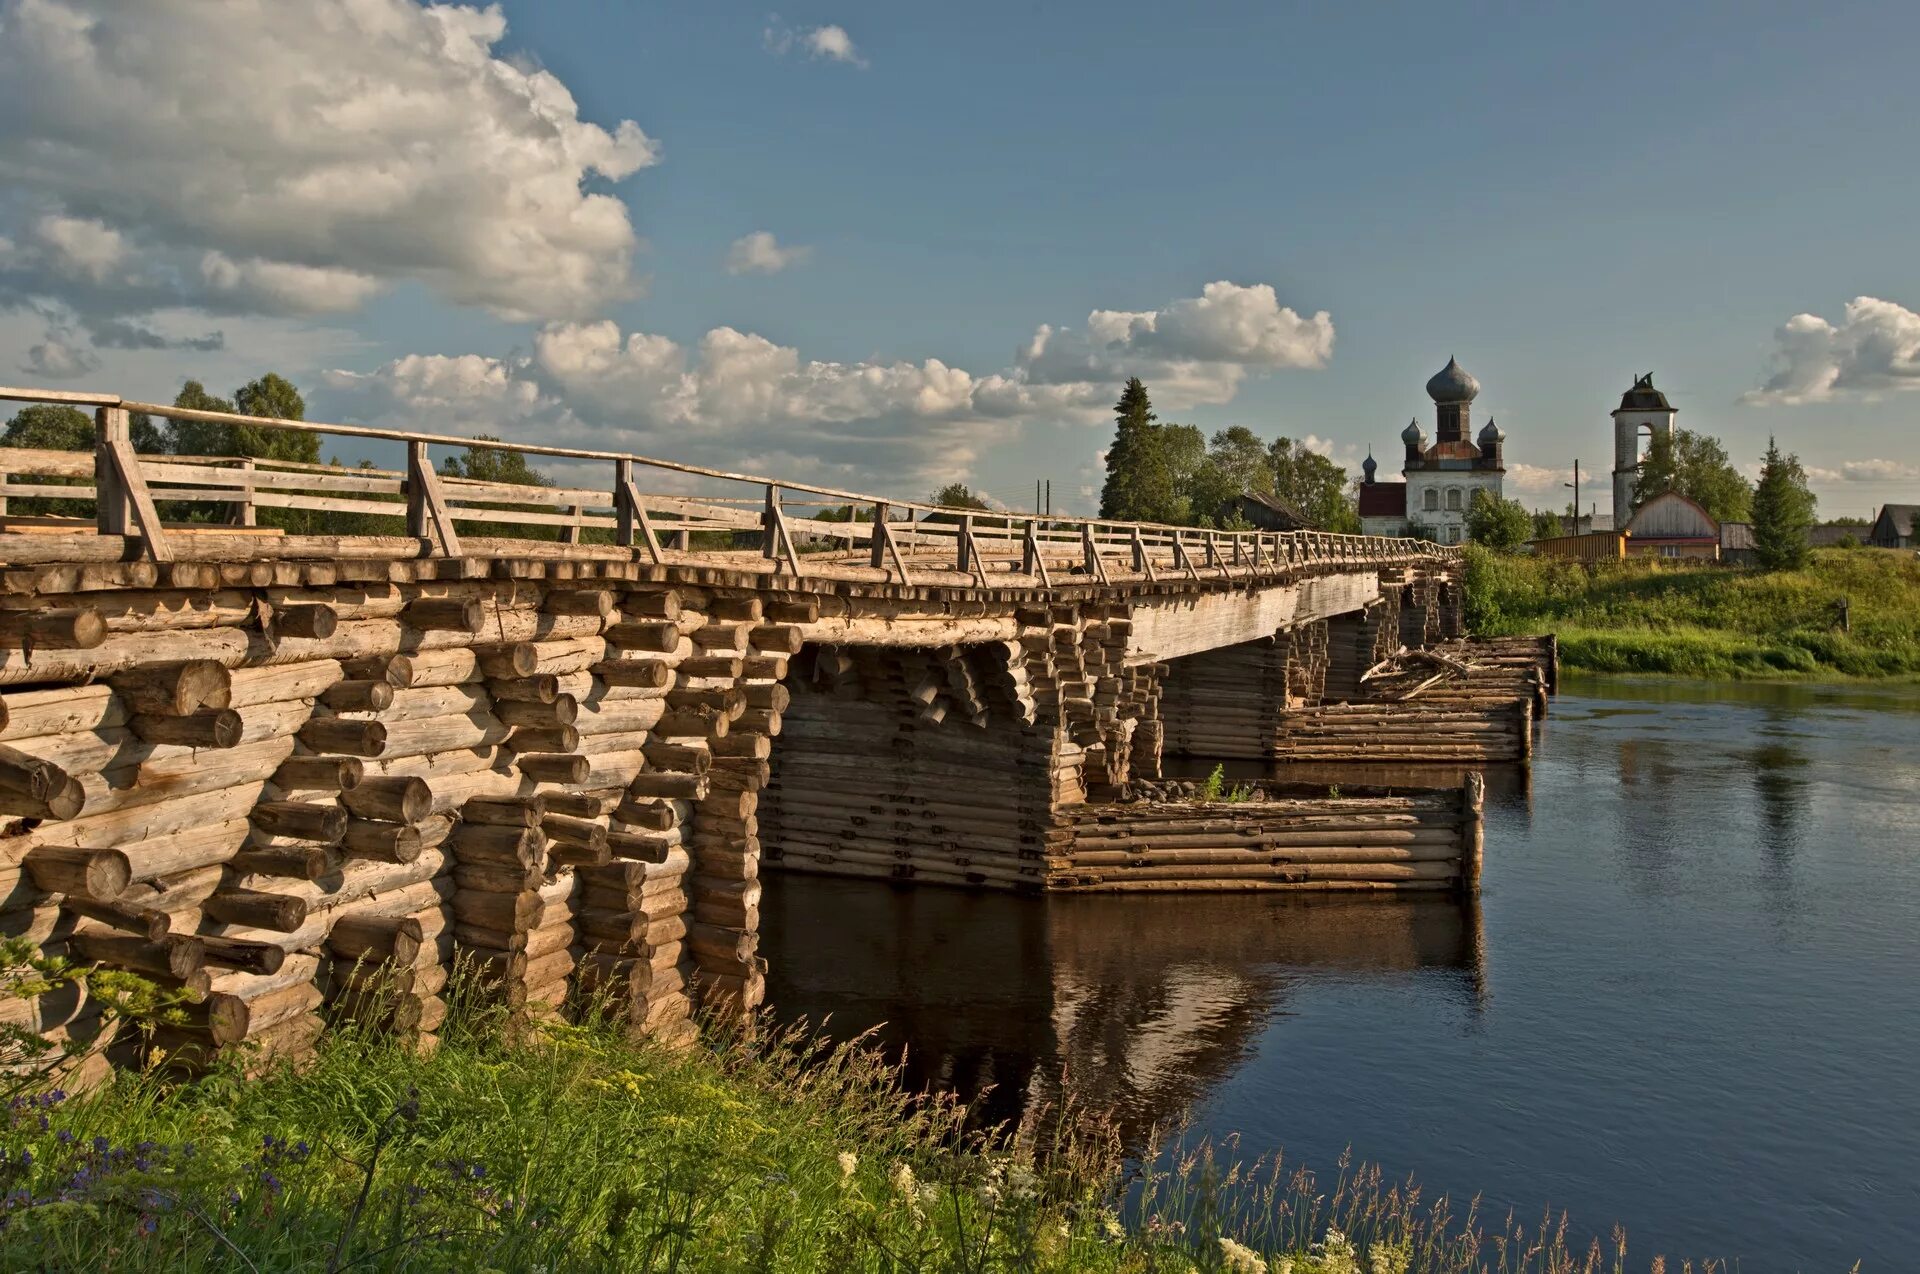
[[1575, 484]]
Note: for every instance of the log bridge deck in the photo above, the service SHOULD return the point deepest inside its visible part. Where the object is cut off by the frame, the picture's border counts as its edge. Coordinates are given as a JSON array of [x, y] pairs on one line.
[[550, 727]]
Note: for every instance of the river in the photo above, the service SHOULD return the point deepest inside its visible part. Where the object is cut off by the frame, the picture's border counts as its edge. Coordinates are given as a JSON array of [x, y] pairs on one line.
[[1688, 1000]]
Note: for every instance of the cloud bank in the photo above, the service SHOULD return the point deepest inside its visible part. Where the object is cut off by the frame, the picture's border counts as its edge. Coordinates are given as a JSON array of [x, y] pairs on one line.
[[761, 253], [737, 400]]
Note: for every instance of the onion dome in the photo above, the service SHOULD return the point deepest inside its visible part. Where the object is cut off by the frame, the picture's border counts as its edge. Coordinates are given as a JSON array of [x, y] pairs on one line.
[[1368, 468], [1451, 384], [1411, 435], [1492, 433]]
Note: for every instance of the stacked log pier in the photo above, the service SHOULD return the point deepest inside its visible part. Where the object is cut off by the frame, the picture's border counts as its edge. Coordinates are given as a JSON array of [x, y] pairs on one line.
[[1221, 703], [877, 779], [1405, 733], [353, 783], [1382, 844]]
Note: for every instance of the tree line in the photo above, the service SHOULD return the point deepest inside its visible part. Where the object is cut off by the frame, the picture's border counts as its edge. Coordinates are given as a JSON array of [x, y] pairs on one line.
[[1175, 474], [56, 427]]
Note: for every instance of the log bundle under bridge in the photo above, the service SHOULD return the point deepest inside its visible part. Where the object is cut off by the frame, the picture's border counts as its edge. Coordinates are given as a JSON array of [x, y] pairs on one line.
[[302, 778]]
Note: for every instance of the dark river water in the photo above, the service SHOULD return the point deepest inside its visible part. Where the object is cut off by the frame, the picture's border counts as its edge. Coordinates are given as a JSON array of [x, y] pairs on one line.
[[1688, 1000]]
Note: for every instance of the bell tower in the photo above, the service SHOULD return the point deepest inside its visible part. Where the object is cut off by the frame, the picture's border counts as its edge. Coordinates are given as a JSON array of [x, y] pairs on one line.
[[1642, 408]]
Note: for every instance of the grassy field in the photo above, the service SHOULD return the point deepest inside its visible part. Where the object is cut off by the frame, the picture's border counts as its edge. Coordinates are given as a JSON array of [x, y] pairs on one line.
[[1710, 621], [561, 1148]]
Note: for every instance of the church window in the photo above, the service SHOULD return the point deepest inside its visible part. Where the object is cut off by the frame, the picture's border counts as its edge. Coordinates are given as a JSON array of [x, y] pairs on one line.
[[1432, 500], [1453, 499]]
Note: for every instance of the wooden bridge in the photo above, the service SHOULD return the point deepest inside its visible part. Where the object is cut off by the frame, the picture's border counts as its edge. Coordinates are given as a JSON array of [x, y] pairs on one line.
[[550, 727]]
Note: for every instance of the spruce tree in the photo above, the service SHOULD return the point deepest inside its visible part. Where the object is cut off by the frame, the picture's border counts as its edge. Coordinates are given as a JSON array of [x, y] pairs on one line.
[[1782, 512], [1139, 486]]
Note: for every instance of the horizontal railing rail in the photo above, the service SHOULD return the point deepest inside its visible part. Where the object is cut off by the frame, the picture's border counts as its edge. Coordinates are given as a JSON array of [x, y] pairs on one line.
[[895, 536]]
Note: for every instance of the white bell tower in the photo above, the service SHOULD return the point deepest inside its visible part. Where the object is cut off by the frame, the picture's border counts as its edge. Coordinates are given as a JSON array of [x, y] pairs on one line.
[[1641, 408]]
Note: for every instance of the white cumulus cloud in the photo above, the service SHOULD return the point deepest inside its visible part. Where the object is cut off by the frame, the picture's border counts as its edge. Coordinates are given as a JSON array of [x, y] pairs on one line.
[[761, 253], [1873, 350], [323, 150]]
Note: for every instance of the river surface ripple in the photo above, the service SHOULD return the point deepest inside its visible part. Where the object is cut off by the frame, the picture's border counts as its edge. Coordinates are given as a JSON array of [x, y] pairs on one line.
[[1688, 1000]]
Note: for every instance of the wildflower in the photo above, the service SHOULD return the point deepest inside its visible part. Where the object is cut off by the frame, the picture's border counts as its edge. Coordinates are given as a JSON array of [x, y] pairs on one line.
[[990, 1193], [1021, 1182], [903, 1180], [849, 1162], [1110, 1225], [927, 1196], [1240, 1259], [271, 1182]]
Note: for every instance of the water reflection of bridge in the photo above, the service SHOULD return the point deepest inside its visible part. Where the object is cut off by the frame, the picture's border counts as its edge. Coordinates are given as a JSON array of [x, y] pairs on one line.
[[1144, 1004]]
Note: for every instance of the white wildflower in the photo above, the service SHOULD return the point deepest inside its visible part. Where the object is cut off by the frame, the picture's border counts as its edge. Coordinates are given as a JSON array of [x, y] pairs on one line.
[[849, 1162], [1111, 1227], [1021, 1182], [1241, 1259], [903, 1180]]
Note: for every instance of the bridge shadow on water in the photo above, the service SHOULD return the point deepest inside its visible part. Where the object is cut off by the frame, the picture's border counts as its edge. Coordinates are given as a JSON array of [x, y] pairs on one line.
[[1138, 1005]]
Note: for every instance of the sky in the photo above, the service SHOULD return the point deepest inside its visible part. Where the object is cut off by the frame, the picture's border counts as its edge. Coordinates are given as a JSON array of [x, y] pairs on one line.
[[891, 245]]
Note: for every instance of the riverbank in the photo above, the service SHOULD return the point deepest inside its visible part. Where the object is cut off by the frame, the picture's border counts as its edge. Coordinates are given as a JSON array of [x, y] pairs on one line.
[[575, 1148], [1710, 621]]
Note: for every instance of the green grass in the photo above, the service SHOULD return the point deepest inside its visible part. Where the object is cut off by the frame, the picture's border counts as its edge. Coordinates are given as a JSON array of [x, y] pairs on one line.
[[566, 1148], [1710, 621]]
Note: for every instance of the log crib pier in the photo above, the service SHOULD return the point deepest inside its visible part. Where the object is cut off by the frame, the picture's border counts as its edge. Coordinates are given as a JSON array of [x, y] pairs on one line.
[[264, 764]]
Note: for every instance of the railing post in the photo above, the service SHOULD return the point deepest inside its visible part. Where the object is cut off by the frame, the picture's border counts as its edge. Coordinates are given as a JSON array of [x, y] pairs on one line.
[[121, 503], [770, 525], [428, 515], [243, 515], [630, 516], [880, 534], [963, 547]]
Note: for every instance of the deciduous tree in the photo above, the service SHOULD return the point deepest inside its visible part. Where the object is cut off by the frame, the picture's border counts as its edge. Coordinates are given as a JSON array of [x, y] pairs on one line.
[[1497, 523], [1696, 466]]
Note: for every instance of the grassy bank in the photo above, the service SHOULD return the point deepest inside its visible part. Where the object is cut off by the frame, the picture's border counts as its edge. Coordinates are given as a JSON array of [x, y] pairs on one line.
[[574, 1148], [1648, 616]]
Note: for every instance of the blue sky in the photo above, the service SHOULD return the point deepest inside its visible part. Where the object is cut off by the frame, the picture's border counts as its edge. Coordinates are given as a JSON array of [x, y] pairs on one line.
[[1562, 199]]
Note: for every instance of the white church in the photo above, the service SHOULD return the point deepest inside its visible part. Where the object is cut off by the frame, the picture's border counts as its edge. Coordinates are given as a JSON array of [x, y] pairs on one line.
[[1439, 479]]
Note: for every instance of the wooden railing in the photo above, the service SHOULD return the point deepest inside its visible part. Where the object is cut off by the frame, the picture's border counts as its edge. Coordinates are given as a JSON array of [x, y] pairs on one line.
[[897, 536]]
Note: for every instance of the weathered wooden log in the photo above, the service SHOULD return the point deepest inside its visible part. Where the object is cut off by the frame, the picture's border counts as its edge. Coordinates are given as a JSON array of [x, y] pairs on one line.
[[553, 738], [644, 847], [758, 721], [693, 723], [359, 696], [595, 602], [660, 638], [743, 746], [680, 757], [315, 621], [396, 670], [553, 767], [515, 811], [536, 689], [377, 938], [302, 820], [172, 956], [387, 842], [319, 773], [175, 689], [343, 735], [662, 604], [683, 787], [581, 804], [143, 921], [777, 638], [206, 728], [100, 874], [235, 953], [711, 666], [557, 711], [392, 800], [506, 663], [796, 610], [290, 861], [447, 614], [497, 843], [771, 696], [763, 667], [648, 814], [649, 674], [80, 628]]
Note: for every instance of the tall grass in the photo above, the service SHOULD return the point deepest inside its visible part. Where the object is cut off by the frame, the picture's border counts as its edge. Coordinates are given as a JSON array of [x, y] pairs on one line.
[[563, 1148], [1698, 620]]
